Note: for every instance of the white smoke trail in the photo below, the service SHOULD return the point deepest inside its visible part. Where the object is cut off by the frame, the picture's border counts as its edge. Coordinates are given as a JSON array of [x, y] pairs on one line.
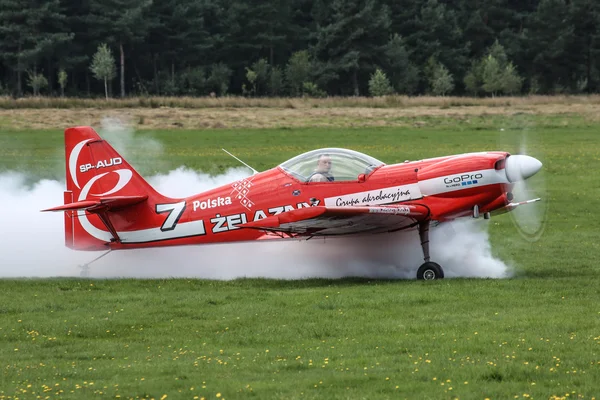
[[32, 244]]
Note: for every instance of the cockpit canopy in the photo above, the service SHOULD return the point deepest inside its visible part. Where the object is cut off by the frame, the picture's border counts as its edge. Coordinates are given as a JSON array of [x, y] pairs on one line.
[[346, 165]]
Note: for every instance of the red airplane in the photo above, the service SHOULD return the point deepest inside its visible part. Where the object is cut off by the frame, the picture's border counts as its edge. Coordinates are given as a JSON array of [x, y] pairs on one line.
[[324, 192]]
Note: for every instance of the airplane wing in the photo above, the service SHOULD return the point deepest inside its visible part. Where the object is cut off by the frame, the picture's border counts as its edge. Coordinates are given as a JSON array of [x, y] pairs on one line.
[[330, 221]]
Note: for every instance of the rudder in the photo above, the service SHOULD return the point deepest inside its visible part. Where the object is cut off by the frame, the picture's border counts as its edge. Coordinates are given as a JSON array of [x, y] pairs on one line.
[[99, 181]]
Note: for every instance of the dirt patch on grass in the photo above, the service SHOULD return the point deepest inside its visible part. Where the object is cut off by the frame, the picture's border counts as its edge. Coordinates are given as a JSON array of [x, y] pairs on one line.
[[218, 118]]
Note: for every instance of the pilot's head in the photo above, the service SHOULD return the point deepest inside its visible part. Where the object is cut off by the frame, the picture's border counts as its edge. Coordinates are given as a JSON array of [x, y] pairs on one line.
[[324, 163]]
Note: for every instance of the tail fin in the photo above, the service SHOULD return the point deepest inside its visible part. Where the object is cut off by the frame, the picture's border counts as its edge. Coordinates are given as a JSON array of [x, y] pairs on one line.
[[99, 180]]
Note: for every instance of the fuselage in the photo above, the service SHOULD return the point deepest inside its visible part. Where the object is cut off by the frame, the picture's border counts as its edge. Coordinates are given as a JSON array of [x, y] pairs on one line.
[[450, 187]]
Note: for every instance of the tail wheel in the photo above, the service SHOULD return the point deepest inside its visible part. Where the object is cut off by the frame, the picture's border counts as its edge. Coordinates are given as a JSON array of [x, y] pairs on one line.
[[430, 271]]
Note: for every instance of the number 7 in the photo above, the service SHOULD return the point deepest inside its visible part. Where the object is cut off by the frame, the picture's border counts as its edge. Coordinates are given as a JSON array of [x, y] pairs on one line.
[[175, 212]]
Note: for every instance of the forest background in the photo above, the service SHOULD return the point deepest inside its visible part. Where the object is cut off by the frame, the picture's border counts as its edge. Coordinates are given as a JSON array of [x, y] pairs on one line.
[[316, 48]]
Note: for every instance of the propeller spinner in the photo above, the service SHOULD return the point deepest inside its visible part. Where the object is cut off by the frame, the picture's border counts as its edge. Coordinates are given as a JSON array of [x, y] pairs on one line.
[[520, 167]]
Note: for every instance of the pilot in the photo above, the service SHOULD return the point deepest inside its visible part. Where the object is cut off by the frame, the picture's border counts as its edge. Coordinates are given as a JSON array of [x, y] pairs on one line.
[[321, 173]]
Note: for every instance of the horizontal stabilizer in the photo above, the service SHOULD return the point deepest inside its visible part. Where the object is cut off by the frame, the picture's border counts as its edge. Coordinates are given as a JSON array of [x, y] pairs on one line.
[[102, 204]]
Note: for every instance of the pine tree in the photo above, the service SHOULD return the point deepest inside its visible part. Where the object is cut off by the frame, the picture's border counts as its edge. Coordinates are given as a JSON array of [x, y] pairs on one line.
[[379, 85], [250, 30], [12, 37], [349, 45], [403, 21], [492, 75], [476, 23], [404, 75], [30, 32], [550, 36], [178, 36], [437, 34], [300, 27], [584, 46], [496, 50], [511, 81], [473, 80]]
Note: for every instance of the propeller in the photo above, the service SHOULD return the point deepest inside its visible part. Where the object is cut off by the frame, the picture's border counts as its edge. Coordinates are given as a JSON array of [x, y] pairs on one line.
[[529, 203], [529, 200]]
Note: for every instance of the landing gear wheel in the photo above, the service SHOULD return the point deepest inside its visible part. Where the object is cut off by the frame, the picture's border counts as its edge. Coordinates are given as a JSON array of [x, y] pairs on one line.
[[430, 271]]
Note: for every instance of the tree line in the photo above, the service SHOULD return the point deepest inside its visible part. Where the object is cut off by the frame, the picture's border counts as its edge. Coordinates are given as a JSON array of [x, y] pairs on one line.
[[92, 48]]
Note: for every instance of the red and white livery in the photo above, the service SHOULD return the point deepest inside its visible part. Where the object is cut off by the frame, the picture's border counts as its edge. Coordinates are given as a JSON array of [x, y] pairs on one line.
[[109, 206]]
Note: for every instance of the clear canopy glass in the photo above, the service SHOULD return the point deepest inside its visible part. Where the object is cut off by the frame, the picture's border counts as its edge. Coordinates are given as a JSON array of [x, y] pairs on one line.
[[337, 164]]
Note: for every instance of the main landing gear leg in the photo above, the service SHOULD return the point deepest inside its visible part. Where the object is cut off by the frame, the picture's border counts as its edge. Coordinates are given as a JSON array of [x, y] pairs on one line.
[[429, 270], [85, 268]]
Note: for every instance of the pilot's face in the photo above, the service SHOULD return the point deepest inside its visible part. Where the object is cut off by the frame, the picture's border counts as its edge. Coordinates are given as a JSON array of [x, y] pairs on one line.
[[324, 164]]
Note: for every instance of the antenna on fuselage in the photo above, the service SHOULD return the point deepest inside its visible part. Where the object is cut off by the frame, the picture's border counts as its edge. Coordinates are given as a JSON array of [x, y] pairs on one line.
[[255, 171]]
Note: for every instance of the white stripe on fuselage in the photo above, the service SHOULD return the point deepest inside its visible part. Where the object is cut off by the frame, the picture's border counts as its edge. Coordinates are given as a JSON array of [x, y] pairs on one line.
[[386, 195], [182, 230], [413, 191], [466, 180]]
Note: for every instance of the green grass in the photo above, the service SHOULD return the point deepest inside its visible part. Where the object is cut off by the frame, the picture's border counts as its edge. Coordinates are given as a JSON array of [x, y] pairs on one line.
[[535, 335], [308, 339]]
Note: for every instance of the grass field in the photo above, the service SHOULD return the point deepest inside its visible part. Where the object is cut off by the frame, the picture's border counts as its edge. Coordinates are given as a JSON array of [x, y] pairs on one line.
[[536, 335]]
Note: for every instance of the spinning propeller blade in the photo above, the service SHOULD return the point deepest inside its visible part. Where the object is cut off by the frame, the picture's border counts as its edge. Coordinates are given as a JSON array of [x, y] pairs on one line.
[[530, 201]]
